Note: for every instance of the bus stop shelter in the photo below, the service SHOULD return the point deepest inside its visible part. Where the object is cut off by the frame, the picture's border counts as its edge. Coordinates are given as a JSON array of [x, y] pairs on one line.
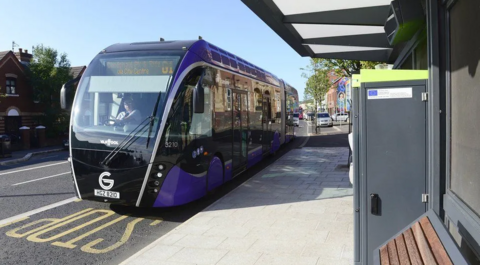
[[440, 36]]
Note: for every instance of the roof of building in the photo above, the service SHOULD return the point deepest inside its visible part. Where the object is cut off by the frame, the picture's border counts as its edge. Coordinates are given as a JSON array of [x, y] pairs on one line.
[[76, 70], [2, 54]]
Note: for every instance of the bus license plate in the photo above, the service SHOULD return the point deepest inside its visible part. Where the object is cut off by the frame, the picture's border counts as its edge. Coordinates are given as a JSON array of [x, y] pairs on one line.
[[107, 194]]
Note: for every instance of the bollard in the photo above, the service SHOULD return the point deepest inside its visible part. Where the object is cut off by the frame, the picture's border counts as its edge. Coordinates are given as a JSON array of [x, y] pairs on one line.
[[40, 131], [25, 132]]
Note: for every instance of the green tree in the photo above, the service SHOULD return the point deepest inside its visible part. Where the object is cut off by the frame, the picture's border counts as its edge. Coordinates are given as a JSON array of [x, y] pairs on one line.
[[318, 82], [317, 86], [48, 71], [344, 68]]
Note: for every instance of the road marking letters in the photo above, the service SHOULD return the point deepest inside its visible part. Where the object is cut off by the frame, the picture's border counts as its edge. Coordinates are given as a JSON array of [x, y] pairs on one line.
[[34, 231]]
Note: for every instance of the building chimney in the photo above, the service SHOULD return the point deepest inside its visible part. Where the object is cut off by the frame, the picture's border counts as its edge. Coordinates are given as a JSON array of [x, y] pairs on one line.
[[24, 57]]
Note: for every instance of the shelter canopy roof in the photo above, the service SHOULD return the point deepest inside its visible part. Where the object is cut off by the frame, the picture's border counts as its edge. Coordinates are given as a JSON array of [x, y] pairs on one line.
[[339, 29]]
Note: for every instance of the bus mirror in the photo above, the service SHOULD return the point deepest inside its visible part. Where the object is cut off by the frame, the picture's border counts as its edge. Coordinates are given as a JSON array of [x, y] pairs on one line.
[[67, 93], [198, 98], [66, 96]]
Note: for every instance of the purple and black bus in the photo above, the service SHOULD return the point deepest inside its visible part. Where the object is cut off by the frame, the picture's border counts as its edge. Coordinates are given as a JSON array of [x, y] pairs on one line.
[[159, 124]]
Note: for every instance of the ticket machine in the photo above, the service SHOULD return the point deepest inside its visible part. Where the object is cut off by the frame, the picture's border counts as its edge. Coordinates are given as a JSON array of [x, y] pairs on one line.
[[389, 154]]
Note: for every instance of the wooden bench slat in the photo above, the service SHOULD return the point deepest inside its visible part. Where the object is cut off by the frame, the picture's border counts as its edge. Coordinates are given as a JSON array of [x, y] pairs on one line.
[[384, 260], [392, 253], [402, 250], [423, 246], [437, 247], [412, 248], [425, 241]]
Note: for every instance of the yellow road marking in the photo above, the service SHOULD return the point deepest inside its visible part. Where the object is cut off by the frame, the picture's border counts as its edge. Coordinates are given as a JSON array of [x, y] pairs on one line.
[[15, 221], [128, 231], [156, 222], [34, 234], [70, 244], [35, 238], [13, 232], [78, 200]]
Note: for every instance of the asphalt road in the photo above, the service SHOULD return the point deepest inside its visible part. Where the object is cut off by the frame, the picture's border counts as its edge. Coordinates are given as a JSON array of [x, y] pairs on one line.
[[42, 223]]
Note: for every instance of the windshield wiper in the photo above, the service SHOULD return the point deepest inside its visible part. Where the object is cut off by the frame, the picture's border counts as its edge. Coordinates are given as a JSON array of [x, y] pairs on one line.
[[124, 142], [154, 113]]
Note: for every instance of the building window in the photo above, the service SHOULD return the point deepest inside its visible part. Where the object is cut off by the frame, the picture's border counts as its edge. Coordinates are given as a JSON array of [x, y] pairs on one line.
[[257, 99], [11, 86]]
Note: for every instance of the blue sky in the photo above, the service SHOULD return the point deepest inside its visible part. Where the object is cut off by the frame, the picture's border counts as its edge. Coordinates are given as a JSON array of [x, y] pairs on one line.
[[83, 28]]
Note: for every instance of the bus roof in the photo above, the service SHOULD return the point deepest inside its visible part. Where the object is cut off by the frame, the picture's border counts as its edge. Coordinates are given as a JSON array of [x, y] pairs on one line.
[[207, 51]]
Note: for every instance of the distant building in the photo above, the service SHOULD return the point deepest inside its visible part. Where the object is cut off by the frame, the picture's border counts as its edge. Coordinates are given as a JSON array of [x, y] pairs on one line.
[[77, 71], [17, 107], [331, 95]]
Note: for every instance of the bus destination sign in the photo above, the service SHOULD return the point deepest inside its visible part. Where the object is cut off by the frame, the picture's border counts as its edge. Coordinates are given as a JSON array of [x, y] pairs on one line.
[[144, 67]]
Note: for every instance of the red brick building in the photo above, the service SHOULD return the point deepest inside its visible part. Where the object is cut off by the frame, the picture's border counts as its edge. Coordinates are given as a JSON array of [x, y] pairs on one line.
[[332, 92], [17, 107]]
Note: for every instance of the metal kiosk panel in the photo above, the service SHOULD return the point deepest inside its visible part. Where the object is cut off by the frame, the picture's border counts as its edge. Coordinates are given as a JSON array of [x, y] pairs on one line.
[[390, 155]]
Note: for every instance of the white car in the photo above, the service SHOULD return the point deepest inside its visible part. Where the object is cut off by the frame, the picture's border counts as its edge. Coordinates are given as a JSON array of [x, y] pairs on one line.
[[296, 119], [340, 117], [323, 119]]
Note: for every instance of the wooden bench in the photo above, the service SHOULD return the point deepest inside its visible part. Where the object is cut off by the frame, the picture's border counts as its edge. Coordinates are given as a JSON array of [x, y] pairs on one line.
[[425, 241]]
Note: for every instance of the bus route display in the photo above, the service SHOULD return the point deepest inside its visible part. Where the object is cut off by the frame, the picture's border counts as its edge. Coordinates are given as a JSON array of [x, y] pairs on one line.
[[141, 67]]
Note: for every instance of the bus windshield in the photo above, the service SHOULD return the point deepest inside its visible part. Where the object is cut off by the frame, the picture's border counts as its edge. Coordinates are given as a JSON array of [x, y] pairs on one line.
[[122, 95]]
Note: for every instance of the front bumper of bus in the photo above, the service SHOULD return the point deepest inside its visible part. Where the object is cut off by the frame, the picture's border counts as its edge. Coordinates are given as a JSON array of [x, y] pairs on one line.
[[118, 186], [168, 187]]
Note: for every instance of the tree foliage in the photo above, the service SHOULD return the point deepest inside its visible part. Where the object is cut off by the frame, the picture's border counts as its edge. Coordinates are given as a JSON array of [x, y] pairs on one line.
[[48, 71], [344, 68], [318, 82]]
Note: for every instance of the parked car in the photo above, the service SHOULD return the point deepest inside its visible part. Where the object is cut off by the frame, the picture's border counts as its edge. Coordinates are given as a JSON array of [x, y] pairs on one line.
[[66, 141], [66, 144], [340, 117], [296, 119], [310, 116], [323, 119]]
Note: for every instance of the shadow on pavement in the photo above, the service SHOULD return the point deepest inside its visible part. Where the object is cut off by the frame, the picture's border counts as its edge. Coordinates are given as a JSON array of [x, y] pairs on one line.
[[334, 140], [317, 171]]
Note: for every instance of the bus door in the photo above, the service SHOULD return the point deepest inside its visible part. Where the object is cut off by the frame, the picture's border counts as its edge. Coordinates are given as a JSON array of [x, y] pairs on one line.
[[240, 130], [266, 123]]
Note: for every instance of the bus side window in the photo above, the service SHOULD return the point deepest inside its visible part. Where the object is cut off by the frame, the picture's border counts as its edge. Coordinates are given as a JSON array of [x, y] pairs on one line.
[[177, 134], [202, 122]]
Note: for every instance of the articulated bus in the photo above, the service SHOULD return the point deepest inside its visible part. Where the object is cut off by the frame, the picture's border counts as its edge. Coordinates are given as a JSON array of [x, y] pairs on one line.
[[160, 124]]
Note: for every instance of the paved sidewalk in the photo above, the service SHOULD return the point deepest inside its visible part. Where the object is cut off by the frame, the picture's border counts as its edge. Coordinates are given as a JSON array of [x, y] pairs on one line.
[[24, 155], [298, 210]]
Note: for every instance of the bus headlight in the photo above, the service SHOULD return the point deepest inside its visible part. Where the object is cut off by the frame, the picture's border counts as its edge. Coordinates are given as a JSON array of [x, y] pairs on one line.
[[161, 167], [158, 175]]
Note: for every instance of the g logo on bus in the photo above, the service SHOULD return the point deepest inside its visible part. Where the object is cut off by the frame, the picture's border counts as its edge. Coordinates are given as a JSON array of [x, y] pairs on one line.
[[102, 181]]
